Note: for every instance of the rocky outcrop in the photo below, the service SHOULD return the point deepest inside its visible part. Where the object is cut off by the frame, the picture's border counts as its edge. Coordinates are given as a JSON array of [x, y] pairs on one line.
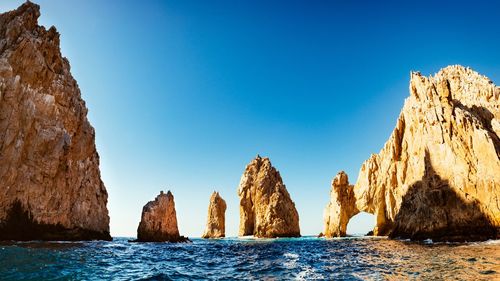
[[216, 220], [438, 175], [50, 184], [266, 209], [159, 221], [340, 208]]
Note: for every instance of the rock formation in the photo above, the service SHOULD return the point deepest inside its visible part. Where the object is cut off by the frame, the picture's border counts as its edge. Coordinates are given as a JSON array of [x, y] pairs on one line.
[[340, 208], [50, 184], [159, 221], [216, 220], [438, 175], [266, 209]]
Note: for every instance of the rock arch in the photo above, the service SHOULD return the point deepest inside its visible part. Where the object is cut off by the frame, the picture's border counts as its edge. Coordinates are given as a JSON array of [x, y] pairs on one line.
[[438, 175]]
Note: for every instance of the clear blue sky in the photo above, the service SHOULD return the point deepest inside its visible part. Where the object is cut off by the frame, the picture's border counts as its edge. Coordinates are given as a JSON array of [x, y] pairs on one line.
[[183, 94]]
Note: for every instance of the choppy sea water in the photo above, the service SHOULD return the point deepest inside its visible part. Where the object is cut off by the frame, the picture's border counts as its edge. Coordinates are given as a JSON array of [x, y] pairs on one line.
[[305, 258]]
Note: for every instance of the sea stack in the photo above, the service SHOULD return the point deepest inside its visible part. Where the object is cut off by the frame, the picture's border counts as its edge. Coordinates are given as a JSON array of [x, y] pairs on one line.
[[159, 221], [340, 208], [50, 183], [216, 219], [266, 209], [438, 175]]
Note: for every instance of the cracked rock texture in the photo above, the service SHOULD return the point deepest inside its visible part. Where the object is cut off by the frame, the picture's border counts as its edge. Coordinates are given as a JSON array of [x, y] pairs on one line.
[[159, 221], [266, 209], [50, 183], [216, 220], [438, 175]]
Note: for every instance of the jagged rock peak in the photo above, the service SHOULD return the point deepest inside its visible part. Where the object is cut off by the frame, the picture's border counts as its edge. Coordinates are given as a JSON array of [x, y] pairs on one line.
[[216, 218], [159, 221], [266, 209], [49, 173], [438, 175]]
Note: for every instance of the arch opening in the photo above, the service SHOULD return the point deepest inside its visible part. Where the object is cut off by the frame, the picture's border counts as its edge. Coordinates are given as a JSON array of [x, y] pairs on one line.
[[361, 224]]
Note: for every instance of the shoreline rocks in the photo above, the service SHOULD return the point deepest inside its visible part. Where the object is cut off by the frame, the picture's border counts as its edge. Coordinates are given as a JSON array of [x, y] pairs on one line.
[[266, 209], [216, 218], [50, 183], [159, 221], [438, 175]]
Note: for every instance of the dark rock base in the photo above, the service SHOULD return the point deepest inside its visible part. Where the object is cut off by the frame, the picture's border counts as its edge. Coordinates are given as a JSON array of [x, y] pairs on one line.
[[171, 239], [20, 226], [459, 234]]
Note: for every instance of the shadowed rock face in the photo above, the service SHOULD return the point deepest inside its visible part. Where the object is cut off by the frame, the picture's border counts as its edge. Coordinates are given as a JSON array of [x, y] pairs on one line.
[[159, 221], [438, 175], [49, 166], [216, 220], [266, 209]]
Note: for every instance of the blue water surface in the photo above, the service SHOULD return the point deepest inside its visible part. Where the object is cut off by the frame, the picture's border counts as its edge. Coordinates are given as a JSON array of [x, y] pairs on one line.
[[307, 258]]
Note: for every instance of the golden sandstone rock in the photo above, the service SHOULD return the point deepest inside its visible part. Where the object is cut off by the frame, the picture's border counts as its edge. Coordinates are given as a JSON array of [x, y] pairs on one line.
[[216, 220], [266, 209], [438, 175], [50, 184], [159, 221], [340, 208]]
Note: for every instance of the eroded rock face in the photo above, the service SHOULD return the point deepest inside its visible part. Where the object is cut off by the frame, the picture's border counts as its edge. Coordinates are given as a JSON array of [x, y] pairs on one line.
[[438, 175], [159, 221], [50, 184], [266, 209], [340, 208], [216, 220]]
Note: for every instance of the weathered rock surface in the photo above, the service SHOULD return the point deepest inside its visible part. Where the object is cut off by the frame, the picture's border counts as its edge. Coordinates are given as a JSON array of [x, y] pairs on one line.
[[159, 221], [340, 208], [438, 175], [216, 220], [266, 209], [50, 184]]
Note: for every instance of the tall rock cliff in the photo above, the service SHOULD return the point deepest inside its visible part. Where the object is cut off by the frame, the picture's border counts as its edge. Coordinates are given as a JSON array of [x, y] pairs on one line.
[[159, 221], [266, 209], [50, 184], [438, 175], [216, 219]]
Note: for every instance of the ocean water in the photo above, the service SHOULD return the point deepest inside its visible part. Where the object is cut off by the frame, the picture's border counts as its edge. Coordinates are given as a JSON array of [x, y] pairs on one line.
[[306, 258]]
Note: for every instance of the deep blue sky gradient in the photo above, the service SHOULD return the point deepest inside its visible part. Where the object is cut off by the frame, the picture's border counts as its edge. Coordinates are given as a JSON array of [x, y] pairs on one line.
[[183, 94]]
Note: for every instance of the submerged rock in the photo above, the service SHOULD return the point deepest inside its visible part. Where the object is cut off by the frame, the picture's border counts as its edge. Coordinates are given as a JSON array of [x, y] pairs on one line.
[[266, 209], [438, 175], [216, 220], [159, 221], [50, 183]]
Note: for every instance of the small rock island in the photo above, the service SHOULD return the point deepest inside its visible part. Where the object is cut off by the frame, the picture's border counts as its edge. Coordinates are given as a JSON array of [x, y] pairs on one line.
[[159, 221], [266, 209], [216, 219]]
